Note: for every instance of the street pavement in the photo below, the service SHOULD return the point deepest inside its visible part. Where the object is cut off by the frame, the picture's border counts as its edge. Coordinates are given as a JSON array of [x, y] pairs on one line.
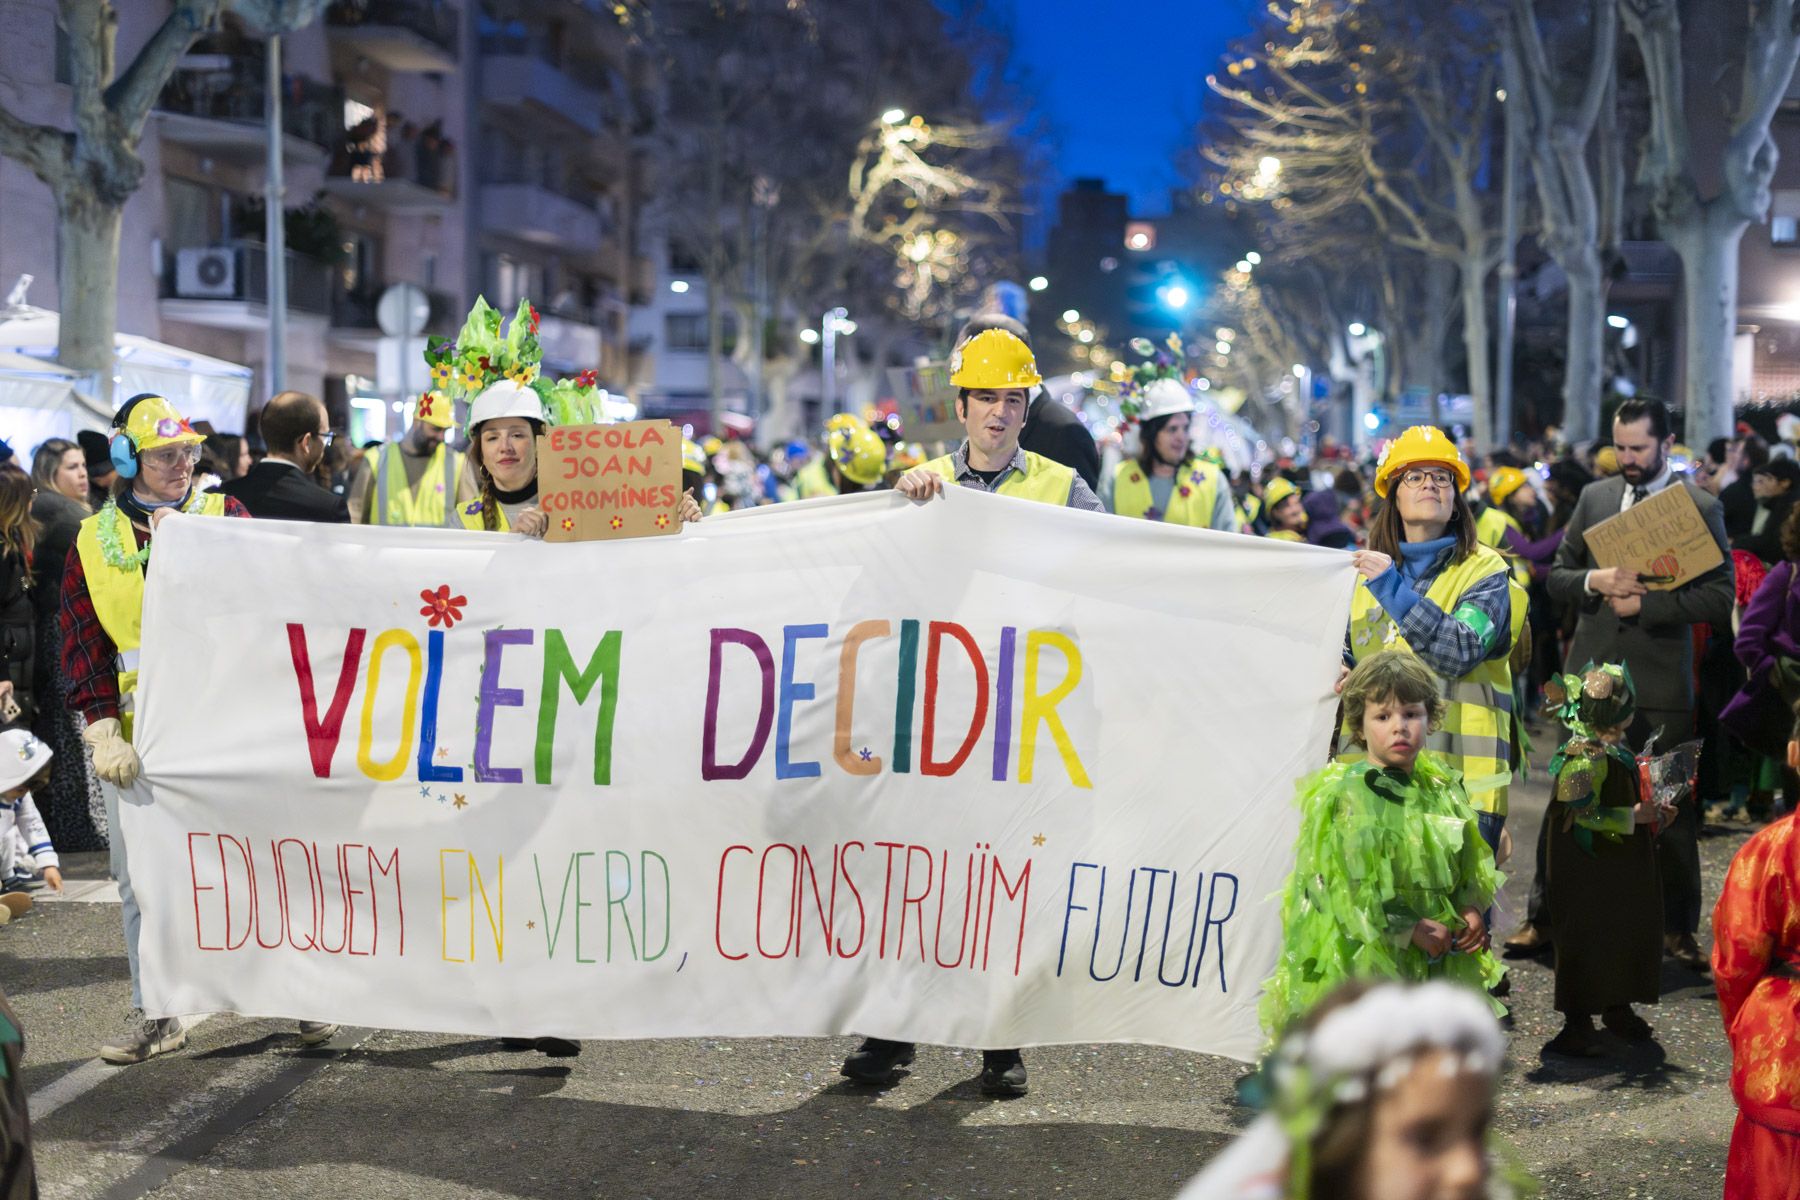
[[245, 1111]]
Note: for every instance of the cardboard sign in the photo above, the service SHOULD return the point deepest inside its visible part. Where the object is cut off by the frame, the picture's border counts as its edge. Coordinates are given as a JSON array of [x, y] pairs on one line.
[[600, 482], [927, 402], [1662, 536]]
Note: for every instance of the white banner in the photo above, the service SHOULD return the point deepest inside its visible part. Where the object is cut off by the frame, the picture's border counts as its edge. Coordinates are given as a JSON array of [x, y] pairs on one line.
[[975, 772]]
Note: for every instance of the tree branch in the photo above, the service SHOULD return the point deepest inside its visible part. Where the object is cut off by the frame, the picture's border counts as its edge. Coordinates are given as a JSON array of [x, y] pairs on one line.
[[47, 151], [131, 95]]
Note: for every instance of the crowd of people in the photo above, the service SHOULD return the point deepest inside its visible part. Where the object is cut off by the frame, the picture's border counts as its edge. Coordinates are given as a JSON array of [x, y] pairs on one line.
[[1480, 615]]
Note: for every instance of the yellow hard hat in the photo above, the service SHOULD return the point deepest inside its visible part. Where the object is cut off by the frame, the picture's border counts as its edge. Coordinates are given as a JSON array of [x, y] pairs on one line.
[[1420, 444], [1606, 461], [153, 422], [905, 455], [844, 422], [435, 408], [712, 445], [1277, 490], [1504, 482], [993, 358], [693, 458], [858, 453]]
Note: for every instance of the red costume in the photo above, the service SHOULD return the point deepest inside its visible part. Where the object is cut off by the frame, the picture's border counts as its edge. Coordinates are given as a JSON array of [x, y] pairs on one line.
[[1756, 966]]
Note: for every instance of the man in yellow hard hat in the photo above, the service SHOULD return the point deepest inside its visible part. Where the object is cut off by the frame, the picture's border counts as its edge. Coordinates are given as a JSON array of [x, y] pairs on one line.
[[1051, 427], [154, 450], [854, 460], [419, 480], [993, 373]]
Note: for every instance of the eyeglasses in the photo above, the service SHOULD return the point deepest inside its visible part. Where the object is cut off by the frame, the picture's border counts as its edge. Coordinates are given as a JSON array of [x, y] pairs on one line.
[[171, 458], [1416, 478], [326, 438]]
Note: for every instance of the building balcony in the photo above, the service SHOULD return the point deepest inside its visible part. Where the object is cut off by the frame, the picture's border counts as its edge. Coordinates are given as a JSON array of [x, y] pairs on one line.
[[529, 84], [216, 105], [383, 171], [532, 212], [227, 286], [401, 35]]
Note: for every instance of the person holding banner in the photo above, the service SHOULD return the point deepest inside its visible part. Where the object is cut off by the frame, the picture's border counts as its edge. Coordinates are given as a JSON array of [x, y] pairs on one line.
[[1167, 481], [993, 373], [504, 423], [154, 451], [1427, 586]]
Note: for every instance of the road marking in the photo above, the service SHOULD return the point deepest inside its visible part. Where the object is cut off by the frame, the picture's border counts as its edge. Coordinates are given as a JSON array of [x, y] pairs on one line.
[[84, 1079]]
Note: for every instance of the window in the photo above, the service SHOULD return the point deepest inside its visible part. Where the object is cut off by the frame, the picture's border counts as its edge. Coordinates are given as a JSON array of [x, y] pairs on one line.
[[1784, 231], [685, 333], [508, 280], [194, 213]]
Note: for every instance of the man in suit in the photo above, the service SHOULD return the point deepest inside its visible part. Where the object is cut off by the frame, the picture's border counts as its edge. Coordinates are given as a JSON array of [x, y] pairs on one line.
[[1620, 620], [1051, 427], [281, 487]]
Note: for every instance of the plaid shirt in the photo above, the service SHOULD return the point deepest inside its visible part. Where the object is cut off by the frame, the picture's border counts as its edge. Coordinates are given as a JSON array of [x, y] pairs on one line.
[[1455, 643], [89, 655], [1080, 495]]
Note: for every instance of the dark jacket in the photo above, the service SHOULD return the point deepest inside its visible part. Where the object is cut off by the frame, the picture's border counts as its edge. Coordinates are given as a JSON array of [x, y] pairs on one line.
[[1739, 503], [280, 491], [1658, 643], [1767, 544], [59, 519], [1053, 430]]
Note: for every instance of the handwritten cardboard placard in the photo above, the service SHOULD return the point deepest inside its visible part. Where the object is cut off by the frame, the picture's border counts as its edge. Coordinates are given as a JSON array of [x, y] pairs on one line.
[[600, 482], [1663, 536]]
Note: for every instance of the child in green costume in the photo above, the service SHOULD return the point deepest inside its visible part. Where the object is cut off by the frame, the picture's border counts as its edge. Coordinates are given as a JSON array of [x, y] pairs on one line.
[[1391, 876]]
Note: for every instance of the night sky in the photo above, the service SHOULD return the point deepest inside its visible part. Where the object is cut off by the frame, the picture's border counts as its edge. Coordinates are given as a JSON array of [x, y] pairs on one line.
[[1121, 82]]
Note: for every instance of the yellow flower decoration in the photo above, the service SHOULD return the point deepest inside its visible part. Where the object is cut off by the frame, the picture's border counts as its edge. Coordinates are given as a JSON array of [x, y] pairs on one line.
[[441, 375], [1174, 343]]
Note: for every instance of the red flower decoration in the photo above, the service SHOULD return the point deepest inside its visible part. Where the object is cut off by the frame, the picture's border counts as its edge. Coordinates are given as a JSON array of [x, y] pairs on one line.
[[441, 607], [1186, 491], [568, 523], [484, 364], [662, 520], [532, 309], [617, 523], [588, 379], [425, 402], [1135, 477]]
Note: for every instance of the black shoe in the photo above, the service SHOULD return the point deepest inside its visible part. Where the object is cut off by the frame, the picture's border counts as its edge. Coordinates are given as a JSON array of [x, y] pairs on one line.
[[556, 1047], [1503, 989], [1002, 1073], [876, 1060], [518, 1043]]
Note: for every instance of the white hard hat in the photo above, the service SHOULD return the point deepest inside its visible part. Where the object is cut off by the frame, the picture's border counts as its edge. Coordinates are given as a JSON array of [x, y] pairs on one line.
[[22, 755], [505, 399], [1165, 398]]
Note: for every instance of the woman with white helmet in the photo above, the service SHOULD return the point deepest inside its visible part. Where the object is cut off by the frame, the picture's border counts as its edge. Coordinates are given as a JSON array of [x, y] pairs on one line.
[[1167, 481], [504, 422]]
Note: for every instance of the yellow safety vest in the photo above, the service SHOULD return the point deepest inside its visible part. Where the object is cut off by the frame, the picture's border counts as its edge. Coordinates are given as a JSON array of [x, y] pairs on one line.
[[813, 481], [1042, 480], [430, 503], [1191, 501], [1476, 737], [471, 518], [118, 592], [1490, 530]]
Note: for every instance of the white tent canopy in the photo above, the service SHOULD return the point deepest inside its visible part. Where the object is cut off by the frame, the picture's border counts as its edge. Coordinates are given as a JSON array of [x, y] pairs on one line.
[[40, 400], [201, 388]]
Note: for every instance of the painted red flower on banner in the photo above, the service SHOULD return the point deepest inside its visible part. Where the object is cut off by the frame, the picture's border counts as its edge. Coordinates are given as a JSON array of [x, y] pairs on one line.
[[662, 520], [616, 523], [441, 608], [568, 524]]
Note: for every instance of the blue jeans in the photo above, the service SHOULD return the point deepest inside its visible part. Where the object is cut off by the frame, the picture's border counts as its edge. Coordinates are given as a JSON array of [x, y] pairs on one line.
[[128, 905]]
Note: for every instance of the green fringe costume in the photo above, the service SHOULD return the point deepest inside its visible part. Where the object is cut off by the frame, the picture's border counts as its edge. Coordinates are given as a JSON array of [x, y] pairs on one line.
[[1377, 853]]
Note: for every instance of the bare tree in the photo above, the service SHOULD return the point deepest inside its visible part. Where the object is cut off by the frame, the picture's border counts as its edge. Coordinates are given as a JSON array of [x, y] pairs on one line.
[[93, 168], [1705, 230], [1566, 142]]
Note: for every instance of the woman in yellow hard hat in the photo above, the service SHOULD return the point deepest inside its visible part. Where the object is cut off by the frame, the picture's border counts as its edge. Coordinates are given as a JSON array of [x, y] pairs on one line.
[[1167, 481], [1428, 586], [1284, 513], [855, 460]]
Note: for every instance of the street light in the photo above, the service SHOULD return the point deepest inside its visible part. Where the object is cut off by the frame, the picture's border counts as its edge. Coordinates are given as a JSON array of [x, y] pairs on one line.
[[893, 116], [1616, 321], [810, 336], [1039, 283], [1070, 316], [1357, 329], [833, 325], [1176, 296], [1253, 258], [678, 286]]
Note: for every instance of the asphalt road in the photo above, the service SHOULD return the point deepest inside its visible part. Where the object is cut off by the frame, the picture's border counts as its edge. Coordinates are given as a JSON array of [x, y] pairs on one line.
[[245, 1111]]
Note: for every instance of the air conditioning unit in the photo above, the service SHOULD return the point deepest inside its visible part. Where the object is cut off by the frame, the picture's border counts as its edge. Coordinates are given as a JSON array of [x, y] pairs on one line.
[[206, 273]]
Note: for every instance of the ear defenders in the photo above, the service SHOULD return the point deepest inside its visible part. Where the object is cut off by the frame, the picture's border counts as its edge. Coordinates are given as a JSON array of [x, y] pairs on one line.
[[122, 449]]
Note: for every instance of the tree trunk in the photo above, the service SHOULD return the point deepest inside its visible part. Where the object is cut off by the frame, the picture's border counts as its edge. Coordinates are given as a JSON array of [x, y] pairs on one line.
[[1473, 272], [88, 271], [1707, 244], [1582, 368]]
